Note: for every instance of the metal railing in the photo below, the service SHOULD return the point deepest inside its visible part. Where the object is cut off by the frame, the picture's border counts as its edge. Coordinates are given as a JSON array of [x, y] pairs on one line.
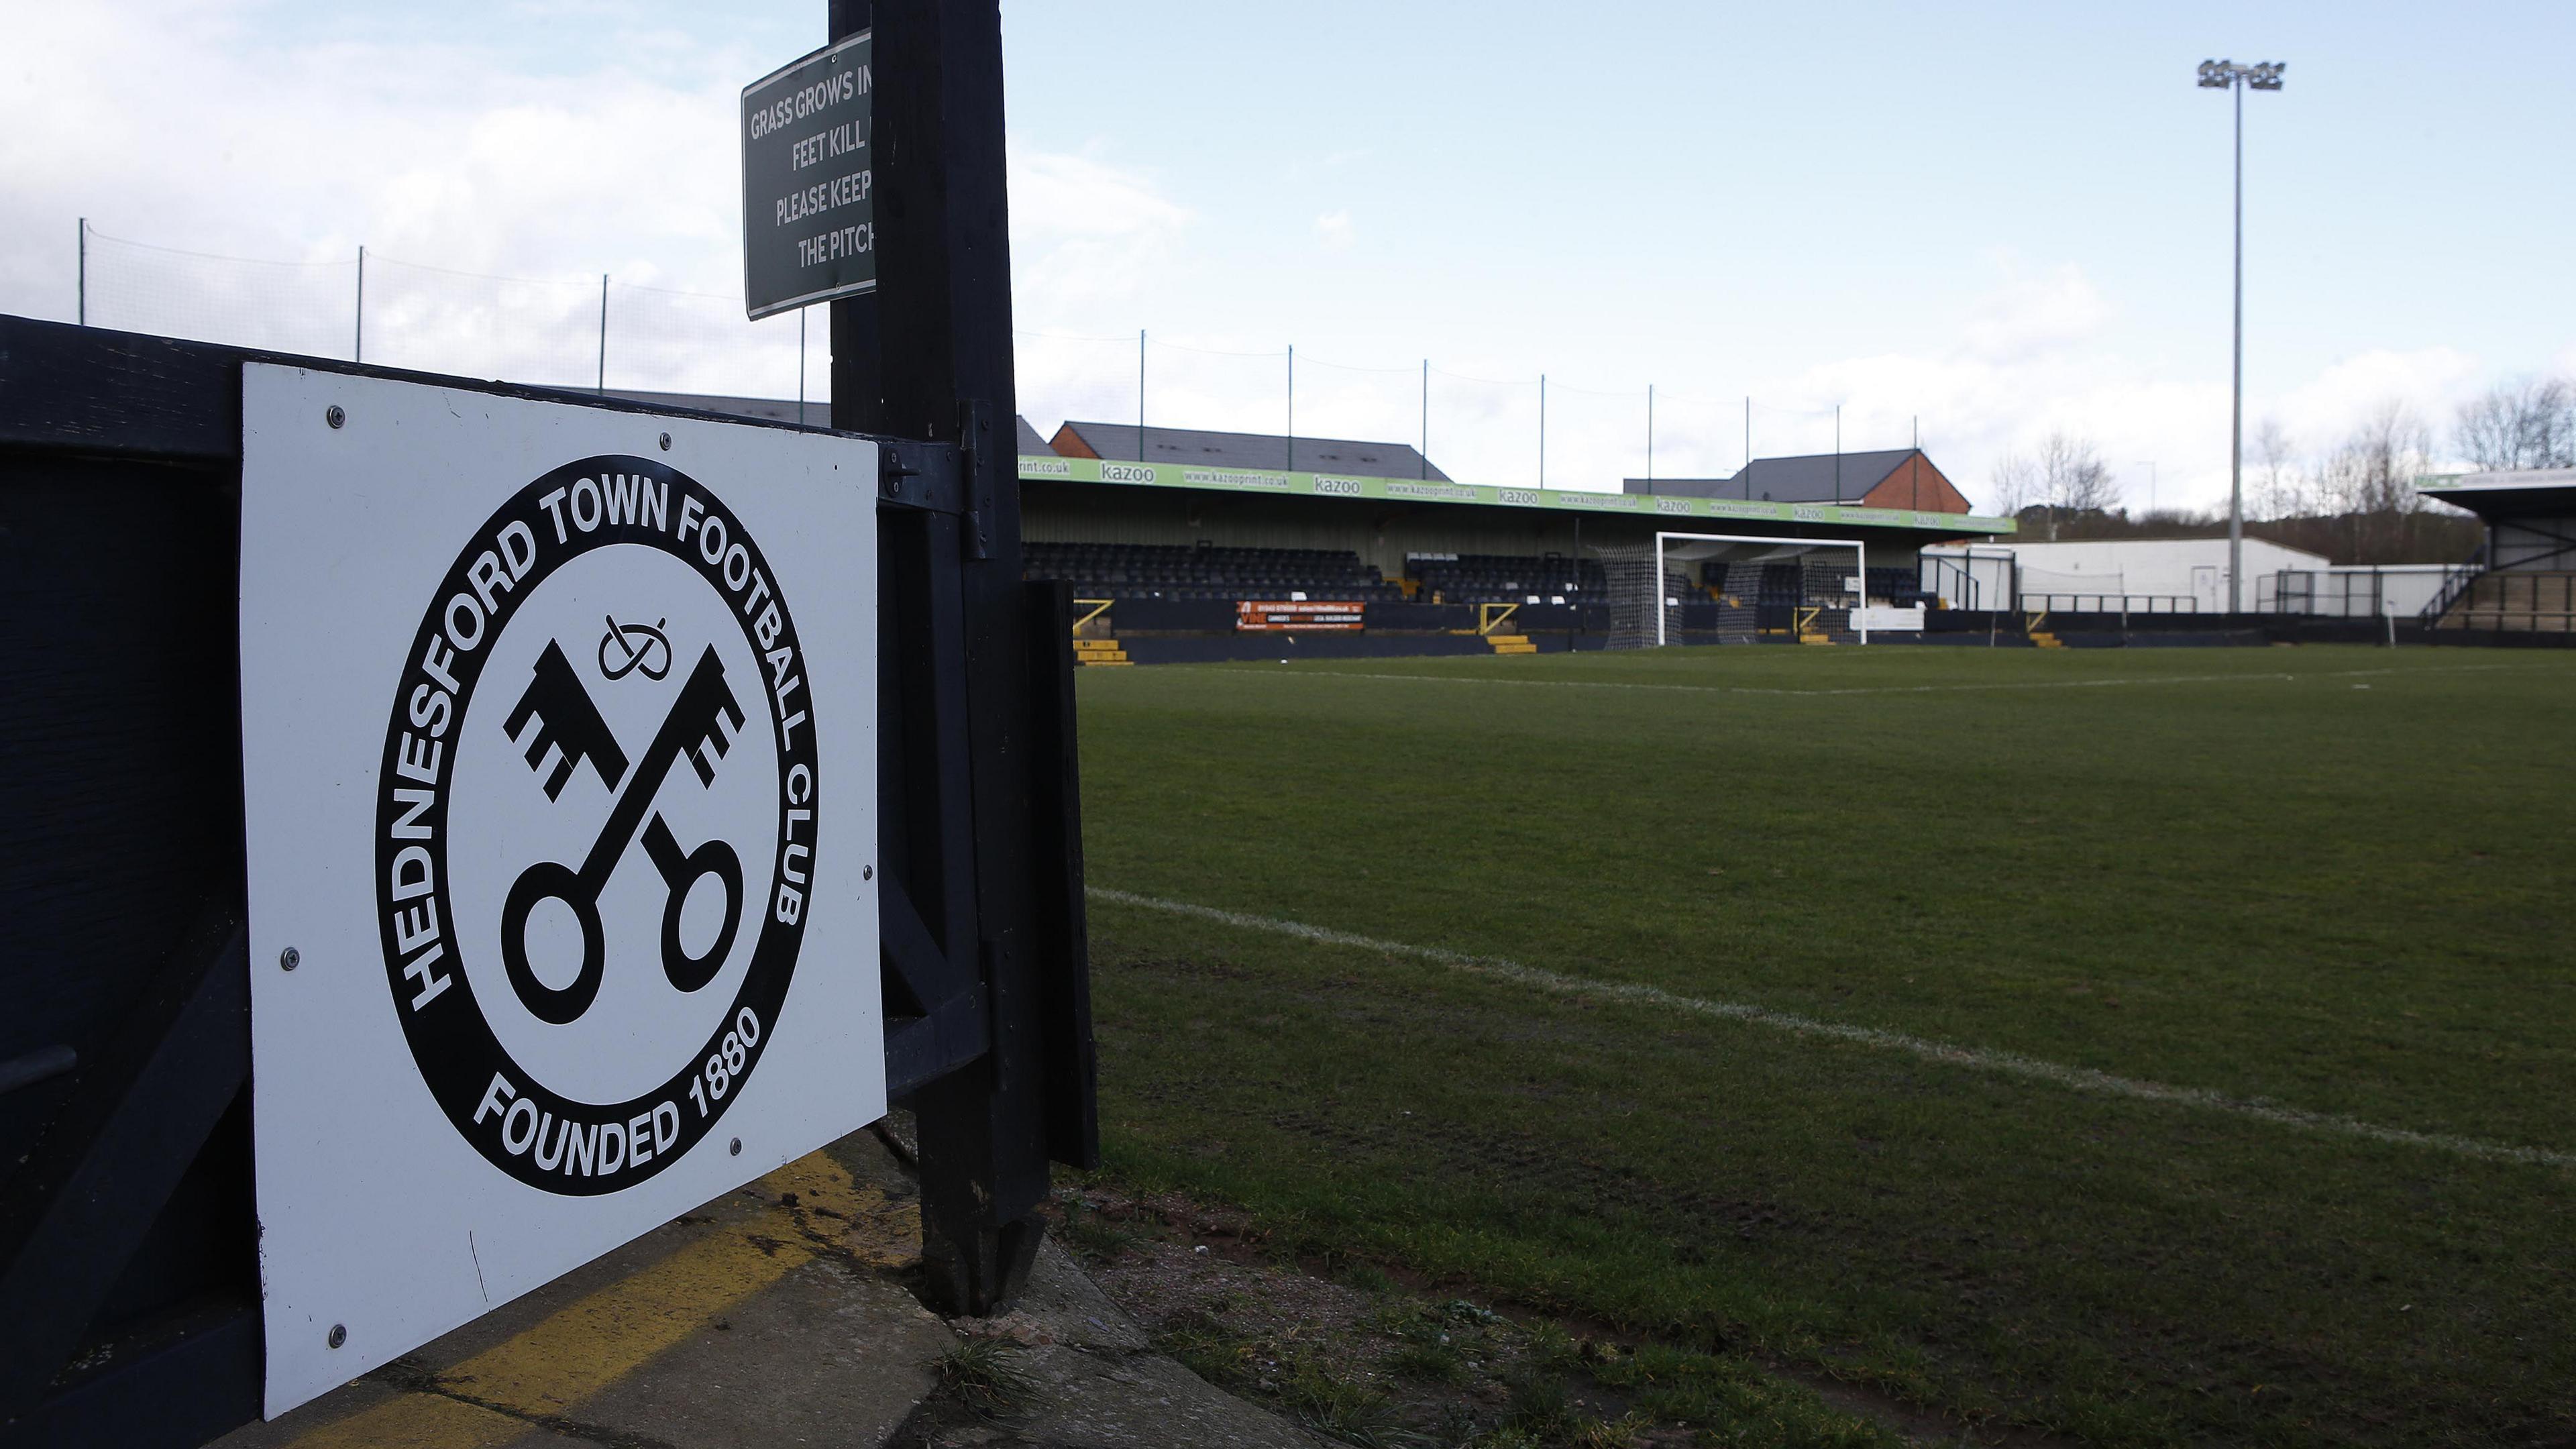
[[2112, 603], [2457, 586]]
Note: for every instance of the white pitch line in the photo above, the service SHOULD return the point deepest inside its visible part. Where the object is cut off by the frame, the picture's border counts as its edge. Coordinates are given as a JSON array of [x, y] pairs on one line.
[[2012, 1064], [2266, 675]]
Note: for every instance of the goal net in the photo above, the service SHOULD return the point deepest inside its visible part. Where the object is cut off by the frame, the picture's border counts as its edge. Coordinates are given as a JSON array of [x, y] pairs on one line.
[[1737, 589]]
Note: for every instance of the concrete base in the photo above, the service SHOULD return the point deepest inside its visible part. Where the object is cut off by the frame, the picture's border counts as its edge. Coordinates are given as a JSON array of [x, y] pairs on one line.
[[776, 1315]]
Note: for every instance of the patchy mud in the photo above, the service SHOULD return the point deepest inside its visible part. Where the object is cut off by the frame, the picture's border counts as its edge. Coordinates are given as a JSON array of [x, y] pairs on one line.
[[1358, 1356]]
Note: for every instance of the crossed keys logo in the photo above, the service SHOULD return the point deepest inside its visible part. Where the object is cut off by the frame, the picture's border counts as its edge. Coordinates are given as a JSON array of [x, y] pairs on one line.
[[569, 726], [588, 1086]]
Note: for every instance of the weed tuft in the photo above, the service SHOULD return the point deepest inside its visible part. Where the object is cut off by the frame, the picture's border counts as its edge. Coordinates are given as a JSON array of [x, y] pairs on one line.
[[979, 1374]]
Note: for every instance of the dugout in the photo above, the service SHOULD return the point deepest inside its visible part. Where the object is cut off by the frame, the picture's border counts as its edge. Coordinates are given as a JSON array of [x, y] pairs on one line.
[[2523, 579]]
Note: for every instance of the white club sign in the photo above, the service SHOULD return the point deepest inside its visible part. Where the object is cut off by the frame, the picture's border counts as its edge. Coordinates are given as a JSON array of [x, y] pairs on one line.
[[558, 737]]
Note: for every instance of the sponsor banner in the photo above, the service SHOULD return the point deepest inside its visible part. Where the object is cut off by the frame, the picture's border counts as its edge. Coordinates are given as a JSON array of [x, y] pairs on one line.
[[1300, 614], [1442, 492], [1240, 478], [559, 756], [1891, 619], [1326, 485]]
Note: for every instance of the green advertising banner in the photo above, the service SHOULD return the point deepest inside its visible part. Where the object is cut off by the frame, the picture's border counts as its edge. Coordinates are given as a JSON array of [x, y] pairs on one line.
[[1681, 511]]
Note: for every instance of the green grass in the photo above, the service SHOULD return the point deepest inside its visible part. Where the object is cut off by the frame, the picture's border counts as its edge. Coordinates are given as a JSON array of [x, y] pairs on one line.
[[2347, 900]]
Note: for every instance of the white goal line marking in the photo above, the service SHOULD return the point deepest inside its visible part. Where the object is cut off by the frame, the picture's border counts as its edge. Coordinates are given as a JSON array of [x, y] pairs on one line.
[[2013, 1064], [2265, 675]]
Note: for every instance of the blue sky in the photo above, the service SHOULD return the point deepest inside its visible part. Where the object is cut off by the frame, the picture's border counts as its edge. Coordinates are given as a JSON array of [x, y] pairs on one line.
[[2002, 220]]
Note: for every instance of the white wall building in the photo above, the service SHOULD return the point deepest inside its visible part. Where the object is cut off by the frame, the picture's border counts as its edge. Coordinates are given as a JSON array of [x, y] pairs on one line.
[[2141, 575]]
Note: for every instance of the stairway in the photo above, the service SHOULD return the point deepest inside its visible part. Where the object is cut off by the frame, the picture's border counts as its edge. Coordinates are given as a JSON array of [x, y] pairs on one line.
[[1511, 643], [2046, 640], [1099, 652]]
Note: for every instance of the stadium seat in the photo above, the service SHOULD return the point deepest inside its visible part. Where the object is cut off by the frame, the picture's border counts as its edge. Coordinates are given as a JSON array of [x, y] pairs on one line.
[[1183, 571]]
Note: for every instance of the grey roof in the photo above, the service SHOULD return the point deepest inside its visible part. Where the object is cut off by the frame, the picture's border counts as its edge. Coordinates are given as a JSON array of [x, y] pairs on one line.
[[2513, 493], [1808, 479], [1256, 450], [817, 413]]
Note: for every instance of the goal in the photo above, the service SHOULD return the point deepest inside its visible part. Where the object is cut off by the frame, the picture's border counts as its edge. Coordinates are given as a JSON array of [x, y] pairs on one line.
[[1754, 584]]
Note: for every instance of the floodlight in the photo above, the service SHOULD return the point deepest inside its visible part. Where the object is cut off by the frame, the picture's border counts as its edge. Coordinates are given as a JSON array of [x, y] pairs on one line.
[[2226, 75]]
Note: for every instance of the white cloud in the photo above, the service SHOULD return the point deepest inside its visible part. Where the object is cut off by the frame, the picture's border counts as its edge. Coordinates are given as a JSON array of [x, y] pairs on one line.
[[1083, 233], [2029, 316], [1333, 230]]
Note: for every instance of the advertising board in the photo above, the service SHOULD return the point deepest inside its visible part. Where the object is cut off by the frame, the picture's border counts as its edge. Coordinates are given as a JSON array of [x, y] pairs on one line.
[[1302, 615], [559, 772]]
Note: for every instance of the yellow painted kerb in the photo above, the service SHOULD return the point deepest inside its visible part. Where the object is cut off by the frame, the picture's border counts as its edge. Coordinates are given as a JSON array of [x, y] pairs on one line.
[[550, 1369]]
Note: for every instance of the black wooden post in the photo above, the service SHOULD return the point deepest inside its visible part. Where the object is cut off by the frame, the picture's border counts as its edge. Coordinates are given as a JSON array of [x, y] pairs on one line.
[[929, 356]]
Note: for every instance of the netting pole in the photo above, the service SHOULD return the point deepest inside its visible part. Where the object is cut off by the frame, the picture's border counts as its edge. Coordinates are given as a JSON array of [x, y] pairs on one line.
[[1659, 590], [1426, 419], [1748, 445], [1141, 455], [1542, 430], [1650, 437], [80, 303], [603, 333], [358, 337], [800, 364], [1863, 613], [1292, 407]]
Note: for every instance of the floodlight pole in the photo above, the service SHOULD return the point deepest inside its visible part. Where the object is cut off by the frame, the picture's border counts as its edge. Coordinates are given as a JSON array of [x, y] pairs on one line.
[[2236, 400], [2229, 76]]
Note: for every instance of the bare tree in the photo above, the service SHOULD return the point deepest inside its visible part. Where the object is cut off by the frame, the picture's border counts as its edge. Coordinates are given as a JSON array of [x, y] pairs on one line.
[[2074, 476], [2277, 494], [2526, 423], [2370, 477], [2016, 484]]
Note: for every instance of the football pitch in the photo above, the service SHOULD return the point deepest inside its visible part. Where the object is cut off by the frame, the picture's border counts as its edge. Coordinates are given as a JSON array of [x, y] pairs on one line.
[[2152, 1046]]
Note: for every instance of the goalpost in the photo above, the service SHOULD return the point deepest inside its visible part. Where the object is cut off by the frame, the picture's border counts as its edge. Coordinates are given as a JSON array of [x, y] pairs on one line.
[[1645, 585]]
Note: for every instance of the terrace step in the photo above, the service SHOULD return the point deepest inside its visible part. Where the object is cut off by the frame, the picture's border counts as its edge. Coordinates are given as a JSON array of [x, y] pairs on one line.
[[1511, 644], [1107, 652]]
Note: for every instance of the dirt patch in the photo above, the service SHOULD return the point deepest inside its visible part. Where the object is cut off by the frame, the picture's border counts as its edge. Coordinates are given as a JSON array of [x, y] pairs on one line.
[[1369, 1357]]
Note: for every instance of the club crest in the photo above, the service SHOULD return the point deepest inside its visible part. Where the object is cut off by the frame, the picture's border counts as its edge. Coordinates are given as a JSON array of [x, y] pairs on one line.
[[593, 849]]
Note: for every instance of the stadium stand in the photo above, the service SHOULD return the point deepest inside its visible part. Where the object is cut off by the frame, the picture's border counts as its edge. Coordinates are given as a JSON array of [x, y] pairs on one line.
[[1167, 571], [1490, 578], [2523, 579], [1779, 583]]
